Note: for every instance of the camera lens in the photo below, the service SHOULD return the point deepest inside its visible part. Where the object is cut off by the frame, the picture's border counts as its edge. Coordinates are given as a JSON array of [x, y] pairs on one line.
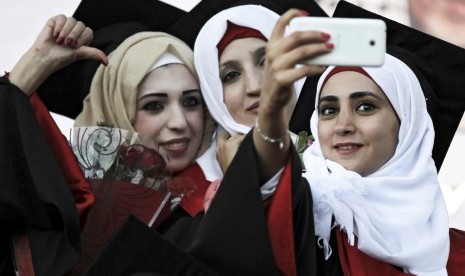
[[372, 42]]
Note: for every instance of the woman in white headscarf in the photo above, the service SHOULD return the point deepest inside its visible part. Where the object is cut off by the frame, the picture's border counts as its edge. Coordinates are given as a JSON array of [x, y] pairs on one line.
[[246, 66], [372, 175], [251, 220]]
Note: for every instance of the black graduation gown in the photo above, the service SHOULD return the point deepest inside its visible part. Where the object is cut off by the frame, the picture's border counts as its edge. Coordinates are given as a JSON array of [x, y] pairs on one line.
[[34, 198], [232, 238]]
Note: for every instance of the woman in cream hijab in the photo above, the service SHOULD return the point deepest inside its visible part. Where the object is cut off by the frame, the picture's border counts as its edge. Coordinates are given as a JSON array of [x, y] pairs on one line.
[[150, 89]]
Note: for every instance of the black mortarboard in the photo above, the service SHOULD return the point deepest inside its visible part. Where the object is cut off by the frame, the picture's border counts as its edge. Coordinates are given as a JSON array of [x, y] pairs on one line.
[[439, 66], [189, 25], [97, 14]]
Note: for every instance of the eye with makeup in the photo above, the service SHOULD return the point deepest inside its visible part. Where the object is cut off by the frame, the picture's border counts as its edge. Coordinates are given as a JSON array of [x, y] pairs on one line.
[[261, 60], [366, 107], [192, 101], [259, 55], [229, 75], [152, 106], [327, 110]]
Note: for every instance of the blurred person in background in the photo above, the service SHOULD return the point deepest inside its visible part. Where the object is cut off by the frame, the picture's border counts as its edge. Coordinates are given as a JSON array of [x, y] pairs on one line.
[[444, 19]]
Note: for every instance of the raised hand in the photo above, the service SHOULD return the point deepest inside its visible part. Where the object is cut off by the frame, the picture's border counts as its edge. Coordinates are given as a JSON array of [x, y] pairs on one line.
[[282, 55], [63, 40], [277, 97]]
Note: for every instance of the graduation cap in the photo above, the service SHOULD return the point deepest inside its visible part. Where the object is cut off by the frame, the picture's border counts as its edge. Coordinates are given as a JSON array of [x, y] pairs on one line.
[[97, 14], [438, 65], [187, 27]]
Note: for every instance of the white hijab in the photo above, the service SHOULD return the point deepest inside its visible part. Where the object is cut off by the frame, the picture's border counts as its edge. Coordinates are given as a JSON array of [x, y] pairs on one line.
[[207, 66], [398, 213]]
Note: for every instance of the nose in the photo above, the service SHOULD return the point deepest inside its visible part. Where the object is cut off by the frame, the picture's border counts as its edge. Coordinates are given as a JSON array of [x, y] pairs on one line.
[[177, 119], [345, 124], [253, 82]]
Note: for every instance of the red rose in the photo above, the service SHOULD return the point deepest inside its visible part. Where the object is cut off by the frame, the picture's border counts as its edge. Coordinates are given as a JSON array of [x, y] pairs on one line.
[[138, 157], [180, 186]]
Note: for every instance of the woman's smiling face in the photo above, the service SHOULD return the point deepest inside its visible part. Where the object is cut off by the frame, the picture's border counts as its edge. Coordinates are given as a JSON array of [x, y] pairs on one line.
[[241, 73], [170, 115], [357, 126]]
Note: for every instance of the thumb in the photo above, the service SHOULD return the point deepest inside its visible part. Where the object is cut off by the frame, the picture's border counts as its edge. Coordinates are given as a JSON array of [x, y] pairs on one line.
[[86, 52]]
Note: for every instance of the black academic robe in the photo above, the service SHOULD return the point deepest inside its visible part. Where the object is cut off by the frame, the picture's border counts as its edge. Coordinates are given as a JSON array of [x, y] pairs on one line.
[[239, 235], [36, 207]]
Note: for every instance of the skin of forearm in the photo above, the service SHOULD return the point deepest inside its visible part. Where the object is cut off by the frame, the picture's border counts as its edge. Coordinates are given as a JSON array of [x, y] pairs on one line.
[[271, 158], [29, 72]]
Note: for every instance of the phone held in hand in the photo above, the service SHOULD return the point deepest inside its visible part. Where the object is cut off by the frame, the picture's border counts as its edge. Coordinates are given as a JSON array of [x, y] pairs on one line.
[[357, 41]]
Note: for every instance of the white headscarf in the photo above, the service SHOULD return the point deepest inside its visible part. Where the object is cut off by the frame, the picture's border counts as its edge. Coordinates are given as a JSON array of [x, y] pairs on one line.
[[165, 59], [207, 66], [398, 213]]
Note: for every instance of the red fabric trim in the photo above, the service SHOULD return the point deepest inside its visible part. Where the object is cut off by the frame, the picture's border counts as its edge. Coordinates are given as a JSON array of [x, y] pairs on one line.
[[80, 189], [22, 254], [355, 262], [193, 203], [280, 224], [456, 261], [233, 32], [339, 69]]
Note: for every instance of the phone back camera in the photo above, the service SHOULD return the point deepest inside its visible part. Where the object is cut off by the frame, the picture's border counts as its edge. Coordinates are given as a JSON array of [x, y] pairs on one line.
[[372, 42]]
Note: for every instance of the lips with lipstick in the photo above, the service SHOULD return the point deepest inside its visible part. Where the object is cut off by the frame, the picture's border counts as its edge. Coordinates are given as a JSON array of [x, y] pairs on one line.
[[175, 146], [254, 107], [346, 148]]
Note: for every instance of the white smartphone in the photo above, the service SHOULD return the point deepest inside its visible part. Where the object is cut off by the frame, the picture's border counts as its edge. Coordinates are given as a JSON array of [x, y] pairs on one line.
[[357, 41]]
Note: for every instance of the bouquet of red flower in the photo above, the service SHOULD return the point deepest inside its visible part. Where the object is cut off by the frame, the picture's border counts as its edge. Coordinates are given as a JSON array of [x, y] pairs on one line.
[[126, 180]]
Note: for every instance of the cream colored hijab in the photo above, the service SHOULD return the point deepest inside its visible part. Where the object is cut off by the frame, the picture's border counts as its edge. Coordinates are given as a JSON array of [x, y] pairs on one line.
[[113, 93]]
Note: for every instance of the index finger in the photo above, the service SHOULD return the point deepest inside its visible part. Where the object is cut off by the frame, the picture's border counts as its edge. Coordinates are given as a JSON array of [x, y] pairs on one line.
[[283, 21], [56, 23]]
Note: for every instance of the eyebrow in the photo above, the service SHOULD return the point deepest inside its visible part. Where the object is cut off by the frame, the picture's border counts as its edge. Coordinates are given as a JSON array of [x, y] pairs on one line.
[[165, 95], [229, 63], [362, 94], [190, 91], [354, 95], [256, 54]]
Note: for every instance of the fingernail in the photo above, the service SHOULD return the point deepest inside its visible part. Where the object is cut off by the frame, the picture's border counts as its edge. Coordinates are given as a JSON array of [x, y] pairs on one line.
[[330, 45], [68, 41], [325, 35], [59, 41], [304, 12]]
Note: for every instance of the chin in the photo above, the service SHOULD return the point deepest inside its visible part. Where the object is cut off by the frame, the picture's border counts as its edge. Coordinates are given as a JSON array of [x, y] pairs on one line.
[[354, 169], [177, 166]]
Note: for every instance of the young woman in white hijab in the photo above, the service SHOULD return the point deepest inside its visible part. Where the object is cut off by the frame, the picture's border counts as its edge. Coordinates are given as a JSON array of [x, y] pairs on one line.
[[372, 175], [246, 66]]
